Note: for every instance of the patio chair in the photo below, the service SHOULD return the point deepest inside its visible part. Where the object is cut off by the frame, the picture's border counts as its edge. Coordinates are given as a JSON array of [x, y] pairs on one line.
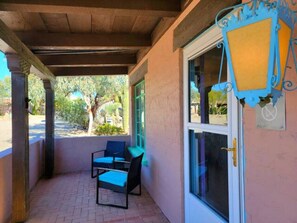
[[115, 151], [120, 181]]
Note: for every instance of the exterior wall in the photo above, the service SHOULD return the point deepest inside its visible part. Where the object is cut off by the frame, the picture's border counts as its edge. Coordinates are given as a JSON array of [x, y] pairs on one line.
[[163, 176], [74, 154], [36, 170], [271, 164]]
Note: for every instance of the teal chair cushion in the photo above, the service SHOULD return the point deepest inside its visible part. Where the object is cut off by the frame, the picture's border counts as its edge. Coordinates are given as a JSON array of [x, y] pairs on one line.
[[112, 177], [107, 159]]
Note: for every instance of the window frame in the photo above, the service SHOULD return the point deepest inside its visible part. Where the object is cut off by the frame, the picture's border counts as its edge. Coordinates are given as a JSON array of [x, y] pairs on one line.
[[140, 139]]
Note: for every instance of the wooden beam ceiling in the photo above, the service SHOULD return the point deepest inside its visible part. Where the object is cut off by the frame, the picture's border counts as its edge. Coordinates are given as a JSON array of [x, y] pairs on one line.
[[186, 31], [82, 71], [162, 8], [88, 60], [68, 41], [10, 39]]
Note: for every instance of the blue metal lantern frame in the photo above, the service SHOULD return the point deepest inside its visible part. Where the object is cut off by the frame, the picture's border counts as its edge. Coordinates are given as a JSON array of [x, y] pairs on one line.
[[257, 12]]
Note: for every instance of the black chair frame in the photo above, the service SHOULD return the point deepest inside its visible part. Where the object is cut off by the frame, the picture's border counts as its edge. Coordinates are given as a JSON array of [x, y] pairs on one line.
[[133, 180], [106, 153]]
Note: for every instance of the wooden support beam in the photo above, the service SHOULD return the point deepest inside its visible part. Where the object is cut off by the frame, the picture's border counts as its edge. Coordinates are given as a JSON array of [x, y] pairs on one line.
[[88, 60], [67, 41], [20, 142], [198, 20], [8, 38], [169, 8], [82, 71], [49, 128], [138, 74]]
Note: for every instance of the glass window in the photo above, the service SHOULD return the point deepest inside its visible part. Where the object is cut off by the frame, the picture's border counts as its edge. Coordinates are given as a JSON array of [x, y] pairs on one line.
[[206, 105], [140, 115], [209, 170]]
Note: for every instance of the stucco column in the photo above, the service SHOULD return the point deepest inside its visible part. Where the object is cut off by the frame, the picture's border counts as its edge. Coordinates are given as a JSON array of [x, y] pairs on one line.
[[49, 128], [19, 69]]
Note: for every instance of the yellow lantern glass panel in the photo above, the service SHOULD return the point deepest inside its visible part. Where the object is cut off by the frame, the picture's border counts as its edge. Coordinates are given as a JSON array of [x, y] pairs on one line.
[[250, 50], [284, 36]]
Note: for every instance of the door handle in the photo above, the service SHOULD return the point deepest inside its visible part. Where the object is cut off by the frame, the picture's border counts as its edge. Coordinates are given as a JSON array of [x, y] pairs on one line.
[[234, 152]]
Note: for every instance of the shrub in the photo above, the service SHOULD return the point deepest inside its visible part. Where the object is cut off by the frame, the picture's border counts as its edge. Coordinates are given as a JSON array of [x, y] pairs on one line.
[[72, 111], [108, 129]]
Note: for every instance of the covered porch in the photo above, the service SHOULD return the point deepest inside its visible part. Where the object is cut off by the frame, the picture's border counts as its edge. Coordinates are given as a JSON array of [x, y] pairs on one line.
[[49, 180]]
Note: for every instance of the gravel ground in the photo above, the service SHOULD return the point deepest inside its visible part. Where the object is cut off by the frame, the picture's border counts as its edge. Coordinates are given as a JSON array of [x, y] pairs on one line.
[[36, 129]]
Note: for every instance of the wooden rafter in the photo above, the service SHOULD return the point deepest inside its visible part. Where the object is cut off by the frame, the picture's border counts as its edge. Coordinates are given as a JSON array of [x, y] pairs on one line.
[[67, 41], [8, 38], [169, 8], [82, 71], [90, 60]]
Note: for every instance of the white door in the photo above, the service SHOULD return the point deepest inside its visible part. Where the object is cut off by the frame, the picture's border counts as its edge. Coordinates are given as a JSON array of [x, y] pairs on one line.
[[212, 122]]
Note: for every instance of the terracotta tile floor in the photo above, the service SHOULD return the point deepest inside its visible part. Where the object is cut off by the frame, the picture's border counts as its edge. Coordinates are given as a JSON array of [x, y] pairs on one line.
[[71, 198]]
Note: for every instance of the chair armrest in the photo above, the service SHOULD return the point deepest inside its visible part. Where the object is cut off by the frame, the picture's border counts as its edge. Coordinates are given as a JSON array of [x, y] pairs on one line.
[[98, 151], [109, 169]]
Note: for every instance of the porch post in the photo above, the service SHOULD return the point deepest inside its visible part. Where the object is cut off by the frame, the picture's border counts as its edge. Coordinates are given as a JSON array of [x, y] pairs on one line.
[[49, 128], [19, 69]]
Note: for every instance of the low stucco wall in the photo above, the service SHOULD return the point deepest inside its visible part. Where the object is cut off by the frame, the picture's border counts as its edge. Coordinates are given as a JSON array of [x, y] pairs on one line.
[[74, 154], [36, 168], [5, 185]]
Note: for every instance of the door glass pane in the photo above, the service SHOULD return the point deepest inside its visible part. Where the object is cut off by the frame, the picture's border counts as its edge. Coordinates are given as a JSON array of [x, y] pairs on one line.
[[206, 105], [209, 170]]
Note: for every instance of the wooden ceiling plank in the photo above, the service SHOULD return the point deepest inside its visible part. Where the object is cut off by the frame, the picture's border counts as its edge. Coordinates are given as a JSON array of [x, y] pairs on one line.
[[169, 8], [14, 42], [82, 71], [102, 23], [123, 24], [35, 21], [80, 23], [56, 22], [15, 21], [65, 41], [88, 60], [145, 24]]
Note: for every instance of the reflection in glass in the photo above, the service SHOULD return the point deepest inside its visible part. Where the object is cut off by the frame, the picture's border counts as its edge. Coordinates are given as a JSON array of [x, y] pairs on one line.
[[209, 170], [207, 106]]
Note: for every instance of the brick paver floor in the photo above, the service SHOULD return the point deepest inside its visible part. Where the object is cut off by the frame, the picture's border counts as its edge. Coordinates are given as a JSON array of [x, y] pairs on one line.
[[71, 198]]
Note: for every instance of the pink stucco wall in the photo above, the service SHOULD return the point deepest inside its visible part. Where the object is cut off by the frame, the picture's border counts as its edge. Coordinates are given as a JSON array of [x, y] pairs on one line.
[[35, 172], [74, 154], [271, 166], [163, 177]]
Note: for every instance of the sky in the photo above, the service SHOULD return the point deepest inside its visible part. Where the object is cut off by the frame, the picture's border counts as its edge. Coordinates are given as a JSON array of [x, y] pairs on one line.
[[3, 66]]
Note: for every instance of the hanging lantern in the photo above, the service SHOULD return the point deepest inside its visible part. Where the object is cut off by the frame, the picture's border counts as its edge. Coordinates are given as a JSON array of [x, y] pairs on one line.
[[257, 42]]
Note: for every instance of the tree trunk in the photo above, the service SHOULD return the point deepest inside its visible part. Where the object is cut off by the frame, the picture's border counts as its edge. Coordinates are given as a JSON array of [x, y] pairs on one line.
[[125, 107], [91, 120]]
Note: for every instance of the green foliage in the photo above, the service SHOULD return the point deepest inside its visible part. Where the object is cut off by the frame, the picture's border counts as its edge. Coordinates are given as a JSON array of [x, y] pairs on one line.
[[108, 129], [36, 95], [217, 102], [5, 87], [112, 108], [5, 93], [72, 111]]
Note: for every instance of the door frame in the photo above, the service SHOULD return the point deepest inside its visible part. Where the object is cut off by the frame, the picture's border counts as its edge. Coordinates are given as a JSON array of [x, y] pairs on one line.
[[198, 46]]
